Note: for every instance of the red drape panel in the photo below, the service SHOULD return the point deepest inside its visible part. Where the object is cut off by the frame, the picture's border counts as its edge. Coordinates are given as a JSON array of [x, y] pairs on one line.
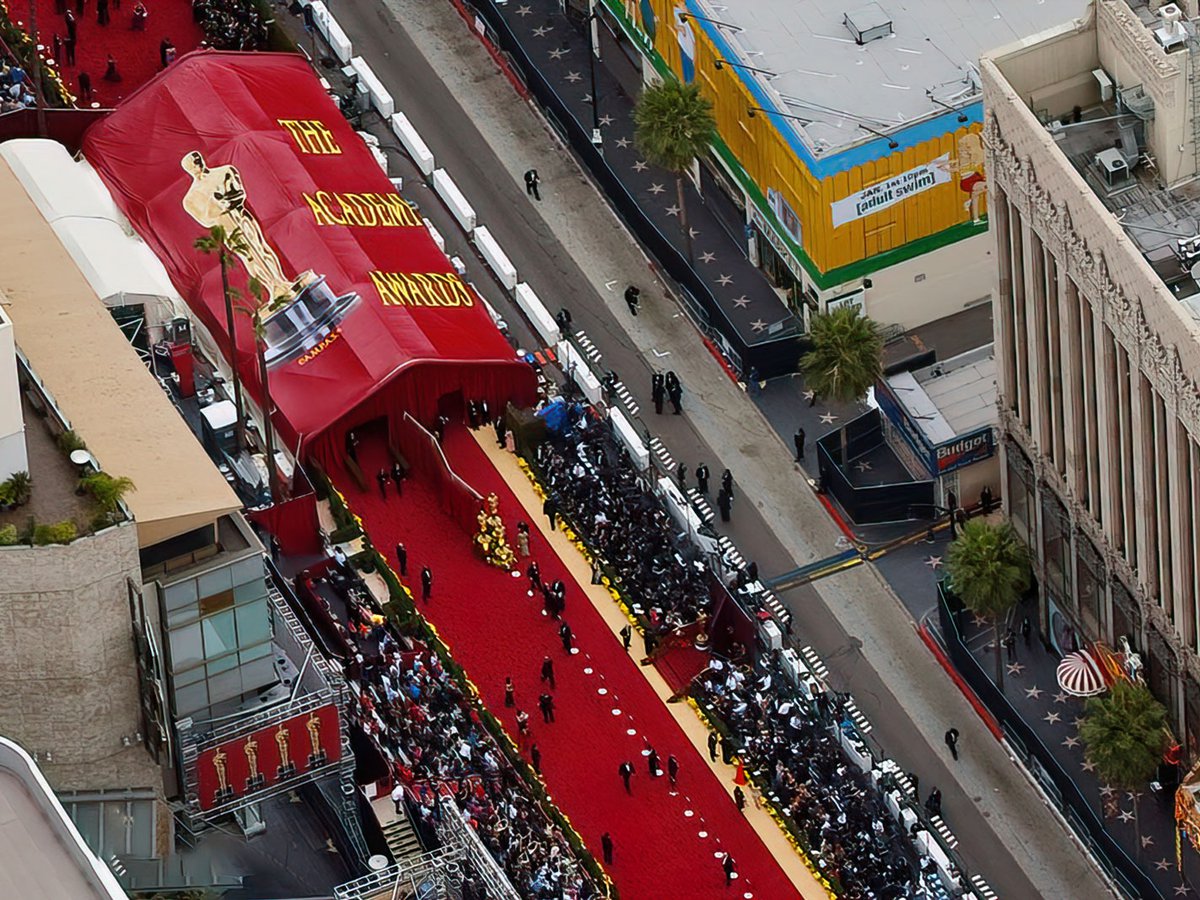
[[294, 524], [730, 622], [458, 499]]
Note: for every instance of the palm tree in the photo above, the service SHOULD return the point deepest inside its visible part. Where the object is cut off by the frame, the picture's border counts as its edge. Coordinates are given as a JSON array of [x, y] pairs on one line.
[[988, 569], [673, 125], [1123, 737], [846, 355], [223, 243], [253, 310], [107, 491]]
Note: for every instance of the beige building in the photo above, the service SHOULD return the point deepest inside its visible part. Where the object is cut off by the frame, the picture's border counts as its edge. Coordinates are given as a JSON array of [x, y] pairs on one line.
[[1093, 138]]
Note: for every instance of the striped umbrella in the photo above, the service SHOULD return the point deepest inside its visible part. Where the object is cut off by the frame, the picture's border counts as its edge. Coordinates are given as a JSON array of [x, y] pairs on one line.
[[1080, 675]]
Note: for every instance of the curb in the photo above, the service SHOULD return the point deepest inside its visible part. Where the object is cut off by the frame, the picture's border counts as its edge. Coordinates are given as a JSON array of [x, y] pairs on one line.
[[940, 655]]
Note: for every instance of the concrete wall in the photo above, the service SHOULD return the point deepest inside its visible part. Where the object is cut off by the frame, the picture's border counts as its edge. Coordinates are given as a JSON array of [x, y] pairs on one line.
[[12, 424], [69, 682], [933, 285]]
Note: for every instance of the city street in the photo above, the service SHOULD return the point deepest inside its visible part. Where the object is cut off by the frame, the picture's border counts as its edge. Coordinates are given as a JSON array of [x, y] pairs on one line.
[[575, 254]]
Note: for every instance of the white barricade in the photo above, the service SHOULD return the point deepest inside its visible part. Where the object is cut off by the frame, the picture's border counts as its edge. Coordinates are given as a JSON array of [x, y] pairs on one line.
[[413, 144], [627, 435], [495, 257], [683, 514], [436, 235], [795, 670], [332, 32], [576, 369], [533, 307], [772, 636], [454, 199], [856, 750], [380, 98]]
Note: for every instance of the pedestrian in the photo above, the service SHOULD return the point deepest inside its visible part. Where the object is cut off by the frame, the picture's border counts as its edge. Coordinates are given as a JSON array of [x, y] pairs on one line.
[[625, 770], [402, 559], [652, 763], [273, 543], [565, 633], [535, 577], [501, 427], [382, 478], [563, 320], [724, 504], [726, 751], [681, 475], [110, 70], [163, 51], [730, 868], [439, 428], [69, 21], [754, 381], [532, 180], [739, 797], [426, 583], [522, 722], [398, 477], [674, 392], [523, 539], [916, 785], [798, 440], [550, 510], [712, 746], [510, 693], [1026, 631], [1010, 645], [535, 756], [546, 705], [702, 479], [102, 12], [727, 482], [627, 636], [398, 797], [548, 672], [934, 804], [672, 769], [658, 392], [597, 572], [606, 846], [57, 43], [85, 86], [985, 499], [952, 742], [69, 47], [632, 297]]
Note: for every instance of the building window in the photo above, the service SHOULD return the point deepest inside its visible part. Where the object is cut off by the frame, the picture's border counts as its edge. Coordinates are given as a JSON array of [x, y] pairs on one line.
[[1056, 548], [1089, 574], [1020, 492]]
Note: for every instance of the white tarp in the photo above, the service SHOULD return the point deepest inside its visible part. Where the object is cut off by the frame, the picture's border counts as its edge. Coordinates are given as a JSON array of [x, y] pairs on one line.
[[57, 184]]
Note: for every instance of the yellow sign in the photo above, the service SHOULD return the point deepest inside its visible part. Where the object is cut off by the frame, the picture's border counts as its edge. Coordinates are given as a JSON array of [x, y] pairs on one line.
[[312, 136], [421, 289], [367, 210], [319, 348]]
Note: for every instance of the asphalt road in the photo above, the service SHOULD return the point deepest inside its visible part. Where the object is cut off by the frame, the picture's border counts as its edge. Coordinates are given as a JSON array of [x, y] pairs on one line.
[[485, 136]]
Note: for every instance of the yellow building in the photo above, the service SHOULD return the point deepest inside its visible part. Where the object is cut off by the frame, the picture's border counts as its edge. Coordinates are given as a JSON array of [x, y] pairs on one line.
[[850, 134]]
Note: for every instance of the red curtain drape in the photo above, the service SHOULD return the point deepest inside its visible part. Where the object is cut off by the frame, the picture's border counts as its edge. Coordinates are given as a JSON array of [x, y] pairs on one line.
[[294, 524]]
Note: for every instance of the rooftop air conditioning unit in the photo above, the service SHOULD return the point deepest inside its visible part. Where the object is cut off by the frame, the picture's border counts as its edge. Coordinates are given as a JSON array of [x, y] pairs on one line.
[[1170, 14], [1170, 34]]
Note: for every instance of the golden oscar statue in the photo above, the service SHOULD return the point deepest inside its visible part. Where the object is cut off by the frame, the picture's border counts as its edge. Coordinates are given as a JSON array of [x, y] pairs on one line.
[[287, 768], [255, 779], [224, 790], [317, 757]]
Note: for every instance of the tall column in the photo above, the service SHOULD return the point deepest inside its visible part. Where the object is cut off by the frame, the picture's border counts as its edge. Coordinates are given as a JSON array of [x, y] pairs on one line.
[[1039, 394], [1071, 362], [1002, 306], [1142, 423]]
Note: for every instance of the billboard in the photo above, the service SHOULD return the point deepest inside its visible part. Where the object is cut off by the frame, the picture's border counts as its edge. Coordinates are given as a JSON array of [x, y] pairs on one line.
[[271, 756], [964, 450]]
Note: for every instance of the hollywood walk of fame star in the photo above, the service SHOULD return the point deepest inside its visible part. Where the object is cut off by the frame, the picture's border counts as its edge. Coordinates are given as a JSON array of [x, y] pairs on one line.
[[524, 11], [672, 210], [693, 233], [1052, 718], [622, 143], [606, 120], [573, 77], [1182, 890], [1107, 790], [640, 166], [1125, 816], [1162, 865], [1077, 722], [863, 466], [558, 53], [1071, 741], [587, 98], [1088, 766], [934, 562], [707, 257], [828, 418], [656, 189], [758, 325], [1132, 797], [1060, 697], [808, 395], [1015, 668], [741, 302], [541, 31], [724, 281], [1147, 840], [1033, 692], [980, 621]]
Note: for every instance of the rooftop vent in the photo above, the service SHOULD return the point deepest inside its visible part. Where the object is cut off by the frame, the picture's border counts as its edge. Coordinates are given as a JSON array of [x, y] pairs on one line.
[[1170, 32], [868, 22]]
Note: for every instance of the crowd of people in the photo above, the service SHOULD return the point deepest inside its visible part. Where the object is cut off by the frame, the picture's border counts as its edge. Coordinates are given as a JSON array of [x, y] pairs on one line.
[[594, 485], [423, 724], [231, 24], [789, 739]]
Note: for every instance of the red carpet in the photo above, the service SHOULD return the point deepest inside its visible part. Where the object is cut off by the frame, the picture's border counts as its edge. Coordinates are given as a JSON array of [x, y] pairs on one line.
[[665, 846], [136, 52], [679, 665]]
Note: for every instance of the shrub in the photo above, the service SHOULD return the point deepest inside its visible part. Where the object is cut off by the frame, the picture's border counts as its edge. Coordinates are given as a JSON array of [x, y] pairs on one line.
[[58, 533], [17, 490], [344, 533], [9, 535], [69, 442]]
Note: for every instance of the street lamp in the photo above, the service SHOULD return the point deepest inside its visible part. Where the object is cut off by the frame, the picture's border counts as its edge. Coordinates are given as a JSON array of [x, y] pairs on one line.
[[594, 54], [683, 17], [962, 116], [722, 63]]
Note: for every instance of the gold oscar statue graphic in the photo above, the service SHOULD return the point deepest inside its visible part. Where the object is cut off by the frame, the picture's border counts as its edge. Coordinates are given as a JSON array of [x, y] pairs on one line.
[[287, 768], [224, 790], [297, 313], [317, 757], [255, 779]]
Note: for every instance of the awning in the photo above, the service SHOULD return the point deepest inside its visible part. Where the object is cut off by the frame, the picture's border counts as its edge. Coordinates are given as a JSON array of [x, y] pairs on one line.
[[1080, 675]]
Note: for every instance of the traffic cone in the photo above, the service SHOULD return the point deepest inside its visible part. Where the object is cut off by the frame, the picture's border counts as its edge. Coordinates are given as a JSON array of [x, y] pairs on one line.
[[739, 777]]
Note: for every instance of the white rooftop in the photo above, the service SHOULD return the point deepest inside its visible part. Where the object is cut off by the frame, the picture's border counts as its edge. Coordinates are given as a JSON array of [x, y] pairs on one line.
[[822, 73], [952, 397]]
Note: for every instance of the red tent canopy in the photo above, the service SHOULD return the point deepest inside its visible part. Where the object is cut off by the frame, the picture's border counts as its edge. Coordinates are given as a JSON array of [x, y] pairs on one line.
[[279, 165]]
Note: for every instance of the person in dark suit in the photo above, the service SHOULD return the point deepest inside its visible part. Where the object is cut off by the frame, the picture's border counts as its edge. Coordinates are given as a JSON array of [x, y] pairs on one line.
[[672, 769], [510, 693], [546, 705], [606, 846], [730, 868], [426, 583], [724, 504], [658, 392], [712, 746], [652, 763], [798, 440], [548, 671], [627, 636], [626, 772], [402, 559], [382, 477], [398, 477], [567, 637], [550, 510], [535, 756], [702, 479]]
